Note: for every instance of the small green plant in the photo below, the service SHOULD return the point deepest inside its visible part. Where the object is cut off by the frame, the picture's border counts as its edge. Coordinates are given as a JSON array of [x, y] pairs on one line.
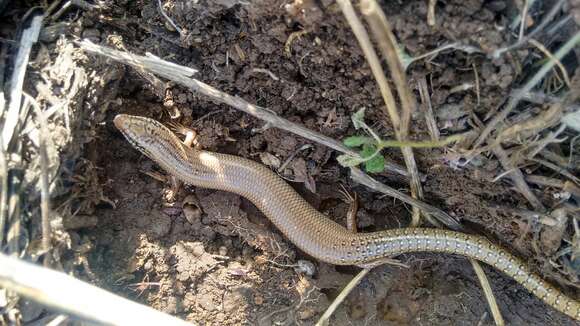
[[370, 146]]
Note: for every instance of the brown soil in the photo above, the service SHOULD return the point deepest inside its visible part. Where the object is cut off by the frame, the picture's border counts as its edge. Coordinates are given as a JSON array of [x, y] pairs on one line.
[[210, 256]]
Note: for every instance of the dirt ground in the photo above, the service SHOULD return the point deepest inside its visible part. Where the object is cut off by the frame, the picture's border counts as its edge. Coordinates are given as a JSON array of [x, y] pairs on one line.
[[212, 257]]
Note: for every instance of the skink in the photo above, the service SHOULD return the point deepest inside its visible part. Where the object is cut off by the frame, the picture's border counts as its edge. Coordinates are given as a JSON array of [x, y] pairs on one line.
[[310, 230]]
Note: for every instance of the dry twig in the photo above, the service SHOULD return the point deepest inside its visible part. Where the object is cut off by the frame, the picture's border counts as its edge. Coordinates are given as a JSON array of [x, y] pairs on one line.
[[65, 293], [44, 183], [182, 75], [184, 78], [526, 89], [522, 41], [69, 4], [3, 192], [428, 109], [431, 21], [518, 178], [524, 18], [29, 37], [168, 19], [549, 54]]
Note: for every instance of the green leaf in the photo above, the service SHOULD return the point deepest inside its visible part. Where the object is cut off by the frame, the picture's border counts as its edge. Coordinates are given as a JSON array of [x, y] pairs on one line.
[[356, 141], [358, 118], [368, 150], [349, 161], [375, 164], [405, 58]]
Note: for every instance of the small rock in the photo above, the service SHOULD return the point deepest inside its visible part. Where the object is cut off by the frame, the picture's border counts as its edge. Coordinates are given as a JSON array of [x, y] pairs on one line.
[[305, 267], [306, 313], [148, 265], [197, 249], [258, 299], [181, 98], [235, 268], [30, 310], [171, 305], [92, 34], [497, 6], [191, 209], [270, 160], [237, 298], [357, 311], [160, 224], [208, 233], [223, 251], [205, 300], [79, 222]]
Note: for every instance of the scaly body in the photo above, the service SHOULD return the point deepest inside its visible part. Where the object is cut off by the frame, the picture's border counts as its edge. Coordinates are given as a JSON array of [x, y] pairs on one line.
[[312, 231]]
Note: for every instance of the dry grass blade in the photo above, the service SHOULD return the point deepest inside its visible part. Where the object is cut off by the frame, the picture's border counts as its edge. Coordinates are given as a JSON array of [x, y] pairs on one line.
[[427, 109], [398, 124], [431, 21], [522, 41], [29, 37], [455, 46], [382, 31], [168, 19], [9, 215], [323, 321], [65, 293], [372, 59], [549, 54], [518, 178], [558, 169], [387, 43], [527, 88], [3, 193], [524, 18], [44, 183], [544, 120], [488, 292]]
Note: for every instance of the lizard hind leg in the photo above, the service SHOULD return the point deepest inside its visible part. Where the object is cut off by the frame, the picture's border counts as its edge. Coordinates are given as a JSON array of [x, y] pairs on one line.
[[352, 200], [191, 137], [191, 140]]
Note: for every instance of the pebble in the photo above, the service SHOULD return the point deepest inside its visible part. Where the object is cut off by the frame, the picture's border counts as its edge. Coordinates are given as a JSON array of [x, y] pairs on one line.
[[205, 300], [236, 298], [92, 34], [258, 299], [148, 265], [305, 267], [306, 313], [197, 249]]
